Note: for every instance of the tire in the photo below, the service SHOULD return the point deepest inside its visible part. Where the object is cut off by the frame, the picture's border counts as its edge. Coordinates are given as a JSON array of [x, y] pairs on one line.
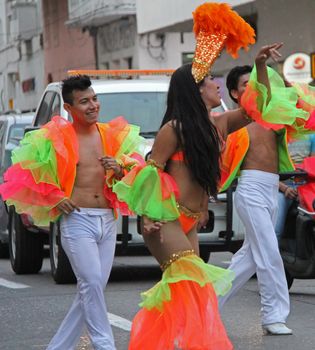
[[26, 248], [61, 269], [289, 278], [205, 255]]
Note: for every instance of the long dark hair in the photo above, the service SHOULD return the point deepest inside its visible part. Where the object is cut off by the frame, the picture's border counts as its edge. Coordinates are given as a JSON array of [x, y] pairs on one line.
[[196, 135]]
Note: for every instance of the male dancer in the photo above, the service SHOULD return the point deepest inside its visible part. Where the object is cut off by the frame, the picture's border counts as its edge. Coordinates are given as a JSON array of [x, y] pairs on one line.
[[256, 202], [83, 160]]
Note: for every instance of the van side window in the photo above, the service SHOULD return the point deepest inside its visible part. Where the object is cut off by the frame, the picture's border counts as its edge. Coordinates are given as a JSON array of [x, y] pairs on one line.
[[55, 107], [44, 110], [2, 129]]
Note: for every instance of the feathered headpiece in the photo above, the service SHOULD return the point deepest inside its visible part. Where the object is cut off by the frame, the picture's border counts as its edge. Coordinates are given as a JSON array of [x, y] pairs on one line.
[[217, 26]]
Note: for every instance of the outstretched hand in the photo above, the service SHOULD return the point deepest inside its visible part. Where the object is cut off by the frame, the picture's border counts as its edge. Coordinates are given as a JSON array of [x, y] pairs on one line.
[[268, 51]]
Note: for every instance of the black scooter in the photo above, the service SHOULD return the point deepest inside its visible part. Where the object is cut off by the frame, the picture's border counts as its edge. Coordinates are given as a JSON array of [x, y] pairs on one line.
[[297, 245]]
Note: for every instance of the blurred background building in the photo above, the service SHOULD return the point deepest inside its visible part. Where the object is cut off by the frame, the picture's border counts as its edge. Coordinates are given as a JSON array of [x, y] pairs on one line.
[[65, 47], [21, 55], [41, 39]]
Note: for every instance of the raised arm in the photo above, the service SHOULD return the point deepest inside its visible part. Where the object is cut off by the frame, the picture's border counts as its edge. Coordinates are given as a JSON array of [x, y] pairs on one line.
[[268, 51], [233, 120]]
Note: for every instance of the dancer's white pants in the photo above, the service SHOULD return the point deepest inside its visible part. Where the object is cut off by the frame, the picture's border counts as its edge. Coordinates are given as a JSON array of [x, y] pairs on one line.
[[256, 203], [88, 238]]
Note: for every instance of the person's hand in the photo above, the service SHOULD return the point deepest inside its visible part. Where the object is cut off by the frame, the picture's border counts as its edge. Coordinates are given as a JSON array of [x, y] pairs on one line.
[[110, 163], [204, 218], [152, 227], [67, 206], [290, 193], [268, 51]]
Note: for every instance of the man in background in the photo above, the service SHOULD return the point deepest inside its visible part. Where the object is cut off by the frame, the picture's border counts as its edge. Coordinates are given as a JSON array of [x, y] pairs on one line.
[[256, 202]]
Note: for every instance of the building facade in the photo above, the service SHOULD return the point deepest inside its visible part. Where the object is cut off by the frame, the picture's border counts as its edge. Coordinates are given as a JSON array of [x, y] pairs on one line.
[[287, 21], [65, 47], [41, 40], [21, 55], [118, 43]]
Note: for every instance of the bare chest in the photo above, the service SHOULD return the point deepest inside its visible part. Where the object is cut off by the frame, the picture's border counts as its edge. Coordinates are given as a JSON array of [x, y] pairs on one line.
[[90, 150], [89, 167]]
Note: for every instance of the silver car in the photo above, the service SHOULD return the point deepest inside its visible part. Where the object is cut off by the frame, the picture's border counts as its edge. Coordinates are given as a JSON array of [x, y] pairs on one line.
[[12, 127]]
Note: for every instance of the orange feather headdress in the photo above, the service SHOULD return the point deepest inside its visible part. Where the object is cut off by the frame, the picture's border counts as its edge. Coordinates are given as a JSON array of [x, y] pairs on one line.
[[217, 26]]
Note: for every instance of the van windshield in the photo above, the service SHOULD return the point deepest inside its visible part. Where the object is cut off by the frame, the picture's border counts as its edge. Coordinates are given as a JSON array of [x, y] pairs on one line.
[[145, 109]]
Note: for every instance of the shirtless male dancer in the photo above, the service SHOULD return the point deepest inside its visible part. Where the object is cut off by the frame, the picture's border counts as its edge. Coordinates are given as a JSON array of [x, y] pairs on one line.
[[256, 202], [66, 170], [88, 228]]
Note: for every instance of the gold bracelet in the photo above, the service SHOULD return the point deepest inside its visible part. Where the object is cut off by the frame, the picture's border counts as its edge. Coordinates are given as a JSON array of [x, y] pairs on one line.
[[154, 163]]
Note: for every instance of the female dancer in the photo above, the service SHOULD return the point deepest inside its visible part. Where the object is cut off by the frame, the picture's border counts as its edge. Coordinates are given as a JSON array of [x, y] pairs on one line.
[[170, 192]]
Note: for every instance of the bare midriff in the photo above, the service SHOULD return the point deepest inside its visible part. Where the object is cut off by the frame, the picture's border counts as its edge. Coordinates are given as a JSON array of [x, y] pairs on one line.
[[262, 153], [191, 193]]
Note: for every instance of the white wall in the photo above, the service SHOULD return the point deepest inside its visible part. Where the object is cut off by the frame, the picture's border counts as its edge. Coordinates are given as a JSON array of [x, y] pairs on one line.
[[2, 24], [31, 68], [147, 51], [170, 57], [156, 14], [116, 42]]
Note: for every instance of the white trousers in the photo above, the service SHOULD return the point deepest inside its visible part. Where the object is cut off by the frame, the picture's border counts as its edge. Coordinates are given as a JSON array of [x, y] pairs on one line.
[[256, 204], [88, 238]]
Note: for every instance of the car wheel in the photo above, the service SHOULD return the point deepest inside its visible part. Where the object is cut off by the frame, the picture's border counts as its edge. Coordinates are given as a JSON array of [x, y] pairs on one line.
[[26, 248], [289, 278], [61, 269]]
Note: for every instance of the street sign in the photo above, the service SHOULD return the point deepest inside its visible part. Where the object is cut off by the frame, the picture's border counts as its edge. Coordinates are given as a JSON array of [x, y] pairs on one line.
[[297, 68]]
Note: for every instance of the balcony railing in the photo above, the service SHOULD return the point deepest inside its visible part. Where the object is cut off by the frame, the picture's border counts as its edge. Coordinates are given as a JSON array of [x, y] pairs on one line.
[[97, 12]]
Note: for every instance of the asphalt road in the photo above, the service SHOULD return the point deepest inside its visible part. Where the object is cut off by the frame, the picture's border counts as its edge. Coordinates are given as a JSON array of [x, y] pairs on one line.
[[32, 307]]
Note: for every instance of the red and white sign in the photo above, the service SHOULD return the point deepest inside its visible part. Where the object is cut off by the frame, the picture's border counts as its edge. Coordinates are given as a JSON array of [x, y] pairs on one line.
[[297, 68]]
